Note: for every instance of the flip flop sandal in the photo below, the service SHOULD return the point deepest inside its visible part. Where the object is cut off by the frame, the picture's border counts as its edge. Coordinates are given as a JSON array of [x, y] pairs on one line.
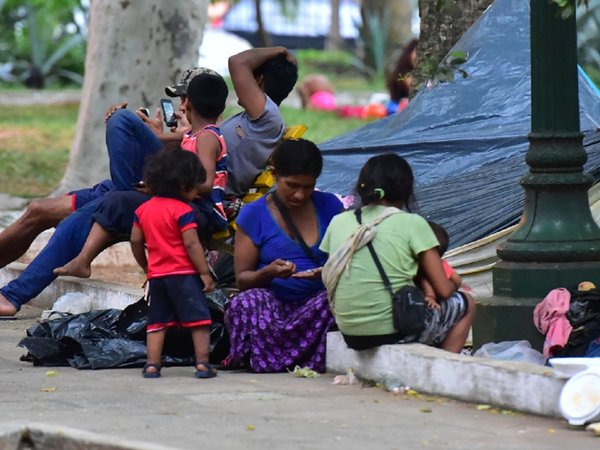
[[210, 371], [147, 374]]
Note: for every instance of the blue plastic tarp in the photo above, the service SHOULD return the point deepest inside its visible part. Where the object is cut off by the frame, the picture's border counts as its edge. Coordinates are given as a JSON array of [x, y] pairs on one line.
[[466, 140]]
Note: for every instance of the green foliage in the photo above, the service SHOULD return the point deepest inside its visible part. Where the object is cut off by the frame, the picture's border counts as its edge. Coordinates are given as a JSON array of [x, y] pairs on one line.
[[445, 70], [567, 7], [343, 69], [374, 35], [42, 40]]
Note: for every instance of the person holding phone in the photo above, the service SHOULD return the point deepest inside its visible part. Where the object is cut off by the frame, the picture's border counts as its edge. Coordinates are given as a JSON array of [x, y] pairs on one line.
[[262, 79]]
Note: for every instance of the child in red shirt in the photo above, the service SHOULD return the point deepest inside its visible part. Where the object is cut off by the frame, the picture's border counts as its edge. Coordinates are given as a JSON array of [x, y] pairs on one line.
[[176, 268]]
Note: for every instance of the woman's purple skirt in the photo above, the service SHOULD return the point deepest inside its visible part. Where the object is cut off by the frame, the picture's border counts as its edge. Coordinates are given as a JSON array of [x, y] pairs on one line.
[[278, 335]]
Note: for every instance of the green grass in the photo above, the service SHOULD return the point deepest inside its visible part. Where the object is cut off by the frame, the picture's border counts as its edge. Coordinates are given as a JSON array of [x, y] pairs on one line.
[[34, 147], [322, 125], [35, 142]]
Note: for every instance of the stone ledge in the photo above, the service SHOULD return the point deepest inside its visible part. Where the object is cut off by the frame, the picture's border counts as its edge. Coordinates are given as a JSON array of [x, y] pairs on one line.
[[105, 295], [512, 385], [33, 435]]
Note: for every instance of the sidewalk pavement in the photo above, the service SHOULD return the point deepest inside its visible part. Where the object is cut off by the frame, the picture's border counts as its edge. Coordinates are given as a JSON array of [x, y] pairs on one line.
[[243, 410]]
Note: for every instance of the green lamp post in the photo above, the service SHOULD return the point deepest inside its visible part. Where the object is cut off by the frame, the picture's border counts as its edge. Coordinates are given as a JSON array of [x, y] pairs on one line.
[[557, 243]]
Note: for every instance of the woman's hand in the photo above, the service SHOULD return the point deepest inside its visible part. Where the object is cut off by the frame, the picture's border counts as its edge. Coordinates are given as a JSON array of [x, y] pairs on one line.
[[311, 274], [281, 268]]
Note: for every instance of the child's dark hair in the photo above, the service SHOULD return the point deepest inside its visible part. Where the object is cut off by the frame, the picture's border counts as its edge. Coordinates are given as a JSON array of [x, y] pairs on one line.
[[386, 177], [279, 76], [171, 171], [442, 236], [297, 157], [207, 94]]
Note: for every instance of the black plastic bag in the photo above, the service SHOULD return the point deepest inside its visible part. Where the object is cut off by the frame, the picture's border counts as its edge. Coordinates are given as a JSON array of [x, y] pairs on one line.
[[113, 338]]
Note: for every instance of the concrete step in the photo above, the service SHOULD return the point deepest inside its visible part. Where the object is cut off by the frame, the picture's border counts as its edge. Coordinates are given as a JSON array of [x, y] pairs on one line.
[[510, 385]]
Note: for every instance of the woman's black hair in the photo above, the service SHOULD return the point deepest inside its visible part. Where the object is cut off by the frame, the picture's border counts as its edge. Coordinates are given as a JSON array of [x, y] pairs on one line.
[[442, 236], [279, 77], [171, 171], [397, 86], [297, 157], [386, 177], [207, 93]]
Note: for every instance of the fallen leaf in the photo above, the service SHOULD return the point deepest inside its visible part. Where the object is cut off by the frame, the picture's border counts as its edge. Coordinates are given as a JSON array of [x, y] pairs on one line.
[[425, 410], [48, 389], [51, 373], [304, 372], [551, 430], [250, 427], [483, 407]]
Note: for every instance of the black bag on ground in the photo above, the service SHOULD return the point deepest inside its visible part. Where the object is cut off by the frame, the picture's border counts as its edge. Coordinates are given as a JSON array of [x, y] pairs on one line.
[[408, 303]]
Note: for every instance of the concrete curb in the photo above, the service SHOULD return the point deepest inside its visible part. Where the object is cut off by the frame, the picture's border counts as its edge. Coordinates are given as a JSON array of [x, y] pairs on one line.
[[512, 385], [33, 435], [104, 295]]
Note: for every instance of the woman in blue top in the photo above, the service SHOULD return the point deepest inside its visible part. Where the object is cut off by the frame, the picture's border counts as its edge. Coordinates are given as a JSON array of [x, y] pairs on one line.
[[281, 317]]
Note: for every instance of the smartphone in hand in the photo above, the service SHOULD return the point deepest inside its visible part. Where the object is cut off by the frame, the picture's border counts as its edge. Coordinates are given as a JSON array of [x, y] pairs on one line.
[[168, 112]]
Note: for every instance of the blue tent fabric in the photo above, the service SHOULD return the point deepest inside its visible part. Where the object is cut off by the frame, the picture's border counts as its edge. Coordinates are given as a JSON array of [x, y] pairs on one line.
[[466, 140]]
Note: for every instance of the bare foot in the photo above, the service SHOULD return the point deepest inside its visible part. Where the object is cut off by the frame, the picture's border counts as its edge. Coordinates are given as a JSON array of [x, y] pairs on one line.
[[6, 307], [74, 269]]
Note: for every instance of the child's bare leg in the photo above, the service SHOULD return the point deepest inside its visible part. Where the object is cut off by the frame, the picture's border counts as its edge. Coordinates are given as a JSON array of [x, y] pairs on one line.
[[80, 266], [456, 338], [155, 341], [39, 216], [6, 307], [201, 338]]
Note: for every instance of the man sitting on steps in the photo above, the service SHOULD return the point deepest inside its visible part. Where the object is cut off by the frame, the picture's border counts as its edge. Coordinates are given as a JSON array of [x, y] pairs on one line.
[[262, 79]]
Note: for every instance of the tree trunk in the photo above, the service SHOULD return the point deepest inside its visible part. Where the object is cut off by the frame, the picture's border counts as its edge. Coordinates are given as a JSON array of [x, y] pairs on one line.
[[263, 36], [334, 40], [442, 24], [135, 48]]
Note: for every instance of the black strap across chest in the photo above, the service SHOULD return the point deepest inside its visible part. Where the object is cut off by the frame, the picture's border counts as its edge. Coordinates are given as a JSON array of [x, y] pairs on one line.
[[285, 214]]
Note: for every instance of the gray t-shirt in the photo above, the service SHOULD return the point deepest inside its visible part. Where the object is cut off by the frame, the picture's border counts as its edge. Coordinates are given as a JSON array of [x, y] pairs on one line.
[[249, 145]]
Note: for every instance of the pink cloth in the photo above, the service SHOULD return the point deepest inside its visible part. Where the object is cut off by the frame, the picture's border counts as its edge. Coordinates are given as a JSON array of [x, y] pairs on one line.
[[549, 317], [323, 100]]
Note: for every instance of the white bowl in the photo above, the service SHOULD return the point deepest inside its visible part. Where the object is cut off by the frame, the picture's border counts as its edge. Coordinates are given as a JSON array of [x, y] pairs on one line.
[[567, 367], [580, 397]]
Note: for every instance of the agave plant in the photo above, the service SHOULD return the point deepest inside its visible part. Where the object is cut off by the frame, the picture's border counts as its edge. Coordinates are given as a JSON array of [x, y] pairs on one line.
[[44, 41]]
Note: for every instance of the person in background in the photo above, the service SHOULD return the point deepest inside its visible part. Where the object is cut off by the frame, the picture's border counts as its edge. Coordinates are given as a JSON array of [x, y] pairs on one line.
[[399, 80], [317, 92]]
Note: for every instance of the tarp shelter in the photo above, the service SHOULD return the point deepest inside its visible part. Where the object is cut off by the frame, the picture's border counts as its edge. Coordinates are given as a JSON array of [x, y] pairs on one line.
[[466, 140]]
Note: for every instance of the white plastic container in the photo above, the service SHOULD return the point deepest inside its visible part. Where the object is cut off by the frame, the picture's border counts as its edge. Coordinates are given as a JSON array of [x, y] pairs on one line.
[[580, 397]]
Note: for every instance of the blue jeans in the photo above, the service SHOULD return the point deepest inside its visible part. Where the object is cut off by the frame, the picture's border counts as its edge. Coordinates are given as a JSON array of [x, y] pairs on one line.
[[129, 143]]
